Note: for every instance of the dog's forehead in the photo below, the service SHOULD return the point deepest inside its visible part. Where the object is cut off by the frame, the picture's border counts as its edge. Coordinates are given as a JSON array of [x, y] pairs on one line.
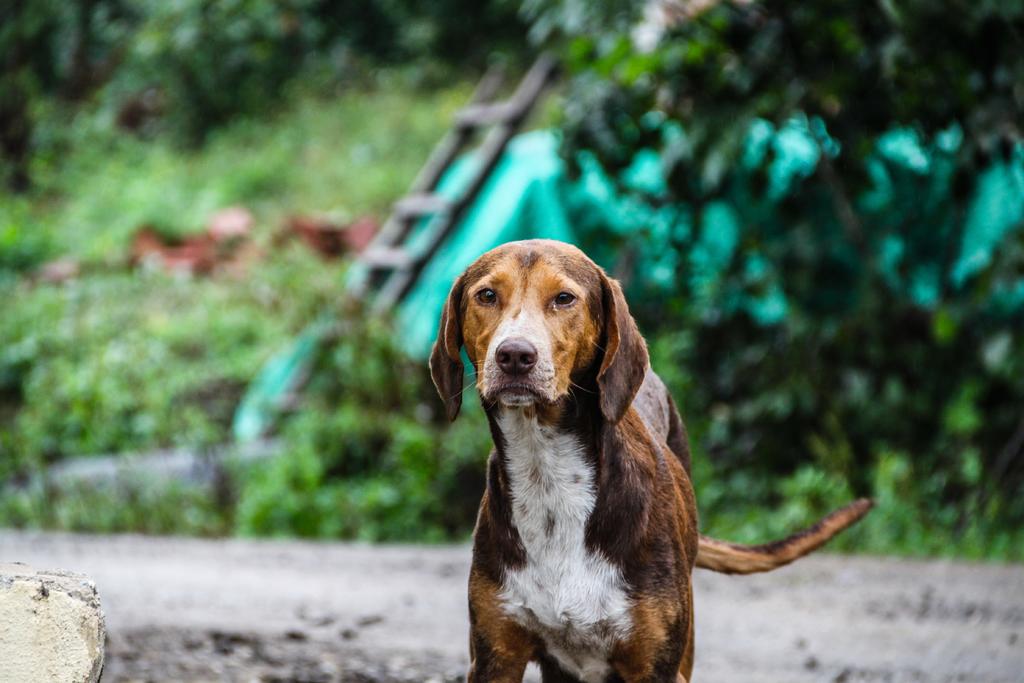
[[517, 260]]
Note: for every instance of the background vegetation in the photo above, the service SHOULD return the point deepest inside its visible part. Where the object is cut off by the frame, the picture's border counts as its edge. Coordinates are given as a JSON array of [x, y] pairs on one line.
[[120, 115], [887, 367]]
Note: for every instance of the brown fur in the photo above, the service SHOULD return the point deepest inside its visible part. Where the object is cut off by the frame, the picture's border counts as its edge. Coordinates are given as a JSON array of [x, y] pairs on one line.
[[644, 519], [499, 648]]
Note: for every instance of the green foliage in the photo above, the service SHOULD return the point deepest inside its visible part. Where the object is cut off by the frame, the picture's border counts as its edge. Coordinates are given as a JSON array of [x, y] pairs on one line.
[[120, 362], [833, 354], [138, 504], [862, 69], [369, 456], [117, 361], [179, 56], [22, 247], [189, 67], [838, 349], [345, 156], [905, 520]]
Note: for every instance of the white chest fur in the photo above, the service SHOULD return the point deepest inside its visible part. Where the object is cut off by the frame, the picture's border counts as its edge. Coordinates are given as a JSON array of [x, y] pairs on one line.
[[573, 598]]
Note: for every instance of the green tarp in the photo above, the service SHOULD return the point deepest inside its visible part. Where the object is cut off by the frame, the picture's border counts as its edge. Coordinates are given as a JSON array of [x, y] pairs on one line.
[[530, 195]]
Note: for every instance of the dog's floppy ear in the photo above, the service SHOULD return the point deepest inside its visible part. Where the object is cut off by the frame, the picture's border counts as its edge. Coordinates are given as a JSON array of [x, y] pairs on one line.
[[445, 358], [625, 354]]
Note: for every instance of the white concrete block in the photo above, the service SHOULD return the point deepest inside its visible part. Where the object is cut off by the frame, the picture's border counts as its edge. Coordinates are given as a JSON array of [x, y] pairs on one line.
[[51, 627]]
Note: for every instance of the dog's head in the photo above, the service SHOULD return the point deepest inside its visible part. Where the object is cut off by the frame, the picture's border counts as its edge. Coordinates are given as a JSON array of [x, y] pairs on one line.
[[535, 318]]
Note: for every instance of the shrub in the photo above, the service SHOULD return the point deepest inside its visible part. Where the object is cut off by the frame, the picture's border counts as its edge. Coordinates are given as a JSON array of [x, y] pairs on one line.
[[369, 455]]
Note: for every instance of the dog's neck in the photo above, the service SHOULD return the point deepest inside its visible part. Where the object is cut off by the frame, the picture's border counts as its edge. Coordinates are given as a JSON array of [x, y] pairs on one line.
[[550, 470], [570, 417], [530, 444], [613, 476]]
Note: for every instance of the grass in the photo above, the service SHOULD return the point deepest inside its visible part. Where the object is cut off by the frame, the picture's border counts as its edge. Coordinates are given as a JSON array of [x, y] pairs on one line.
[[349, 155], [119, 360]]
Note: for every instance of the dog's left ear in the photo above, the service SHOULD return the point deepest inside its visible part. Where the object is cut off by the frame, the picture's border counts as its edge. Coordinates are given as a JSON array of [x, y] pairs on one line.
[[445, 358], [625, 354]]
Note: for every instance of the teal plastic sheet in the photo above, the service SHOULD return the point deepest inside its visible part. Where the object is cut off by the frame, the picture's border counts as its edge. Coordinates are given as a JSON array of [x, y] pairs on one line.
[[524, 198], [530, 195]]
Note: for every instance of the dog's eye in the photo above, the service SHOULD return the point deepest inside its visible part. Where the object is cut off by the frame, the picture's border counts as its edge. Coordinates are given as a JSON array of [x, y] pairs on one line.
[[486, 296], [564, 298]]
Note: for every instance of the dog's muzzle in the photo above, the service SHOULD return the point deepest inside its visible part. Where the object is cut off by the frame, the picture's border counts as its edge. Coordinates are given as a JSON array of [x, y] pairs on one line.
[[519, 370]]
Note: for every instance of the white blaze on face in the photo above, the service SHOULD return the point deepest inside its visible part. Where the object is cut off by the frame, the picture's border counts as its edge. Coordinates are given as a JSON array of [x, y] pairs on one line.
[[528, 325]]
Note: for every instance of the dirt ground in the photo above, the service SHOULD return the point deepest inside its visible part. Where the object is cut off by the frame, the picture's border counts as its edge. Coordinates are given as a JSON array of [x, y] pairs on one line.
[[196, 610]]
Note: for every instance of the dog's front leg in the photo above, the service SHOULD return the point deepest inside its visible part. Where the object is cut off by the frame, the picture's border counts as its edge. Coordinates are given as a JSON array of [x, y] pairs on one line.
[[494, 663], [652, 677], [660, 664], [660, 648], [499, 648]]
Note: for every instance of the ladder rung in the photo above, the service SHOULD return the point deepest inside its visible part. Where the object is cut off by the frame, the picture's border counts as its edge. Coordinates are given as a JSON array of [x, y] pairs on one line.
[[422, 204], [487, 114], [387, 257]]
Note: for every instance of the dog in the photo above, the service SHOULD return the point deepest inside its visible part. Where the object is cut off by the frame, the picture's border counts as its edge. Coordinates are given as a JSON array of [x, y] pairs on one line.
[[587, 532]]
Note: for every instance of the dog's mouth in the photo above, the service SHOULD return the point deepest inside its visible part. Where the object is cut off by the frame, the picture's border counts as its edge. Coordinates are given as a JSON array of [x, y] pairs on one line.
[[516, 394]]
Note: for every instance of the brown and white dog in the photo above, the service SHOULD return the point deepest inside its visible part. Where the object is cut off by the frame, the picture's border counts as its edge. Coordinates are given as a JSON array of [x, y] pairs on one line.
[[587, 533]]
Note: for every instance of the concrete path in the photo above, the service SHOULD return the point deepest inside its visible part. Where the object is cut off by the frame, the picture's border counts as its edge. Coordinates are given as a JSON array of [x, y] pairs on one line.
[[201, 610]]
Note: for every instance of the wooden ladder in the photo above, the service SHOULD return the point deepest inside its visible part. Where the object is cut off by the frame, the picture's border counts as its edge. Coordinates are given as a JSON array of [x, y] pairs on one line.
[[390, 266]]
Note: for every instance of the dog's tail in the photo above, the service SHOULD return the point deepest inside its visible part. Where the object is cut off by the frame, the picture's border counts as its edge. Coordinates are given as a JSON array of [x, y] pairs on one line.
[[732, 558]]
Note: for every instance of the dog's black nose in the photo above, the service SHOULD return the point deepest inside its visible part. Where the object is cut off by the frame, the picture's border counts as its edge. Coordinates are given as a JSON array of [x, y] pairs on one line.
[[516, 356]]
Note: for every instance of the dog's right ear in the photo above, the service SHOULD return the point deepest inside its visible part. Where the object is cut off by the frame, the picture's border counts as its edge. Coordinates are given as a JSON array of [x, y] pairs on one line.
[[445, 358]]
